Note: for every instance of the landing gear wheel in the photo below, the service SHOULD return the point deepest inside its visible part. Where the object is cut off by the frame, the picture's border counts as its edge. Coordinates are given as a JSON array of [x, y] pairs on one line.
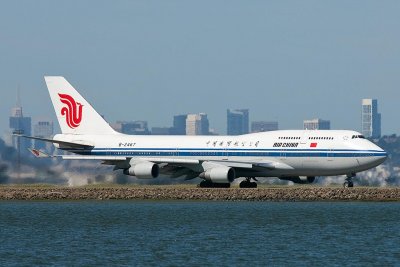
[[243, 184], [205, 184], [349, 181], [247, 183], [209, 184]]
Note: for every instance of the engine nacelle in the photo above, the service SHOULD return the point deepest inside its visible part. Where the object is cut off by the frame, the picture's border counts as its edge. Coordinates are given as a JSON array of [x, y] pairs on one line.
[[300, 179], [219, 175], [143, 170]]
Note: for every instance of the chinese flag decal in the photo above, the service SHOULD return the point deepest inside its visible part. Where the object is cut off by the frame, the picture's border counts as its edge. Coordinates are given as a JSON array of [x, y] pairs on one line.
[[313, 145]]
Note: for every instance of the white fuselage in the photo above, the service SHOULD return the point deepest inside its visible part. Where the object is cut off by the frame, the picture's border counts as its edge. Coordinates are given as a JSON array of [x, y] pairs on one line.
[[274, 154]]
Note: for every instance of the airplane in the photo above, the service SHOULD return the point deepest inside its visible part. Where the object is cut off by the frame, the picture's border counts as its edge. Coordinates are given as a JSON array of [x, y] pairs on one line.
[[294, 155]]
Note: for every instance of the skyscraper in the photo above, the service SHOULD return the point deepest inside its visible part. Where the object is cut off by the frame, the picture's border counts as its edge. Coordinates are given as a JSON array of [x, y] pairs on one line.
[[197, 124], [317, 124], [20, 125], [179, 127], [44, 129], [370, 118], [237, 121]]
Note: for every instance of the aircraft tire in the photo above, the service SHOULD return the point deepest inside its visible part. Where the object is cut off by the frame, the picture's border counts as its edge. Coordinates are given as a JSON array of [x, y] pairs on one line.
[[243, 184], [247, 184], [209, 184], [205, 184], [253, 185], [348, 184]]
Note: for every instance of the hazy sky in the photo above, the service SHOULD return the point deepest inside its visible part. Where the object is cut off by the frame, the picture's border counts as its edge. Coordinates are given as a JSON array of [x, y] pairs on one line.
[[149, 60]]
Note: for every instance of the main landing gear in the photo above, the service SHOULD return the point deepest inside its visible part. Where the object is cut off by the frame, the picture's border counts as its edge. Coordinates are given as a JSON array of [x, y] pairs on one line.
[[349, 180], [247, 183], [209, 184]]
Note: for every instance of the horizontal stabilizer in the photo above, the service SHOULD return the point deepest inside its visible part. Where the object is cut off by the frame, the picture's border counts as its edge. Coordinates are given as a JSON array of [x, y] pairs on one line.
[[63, 144]]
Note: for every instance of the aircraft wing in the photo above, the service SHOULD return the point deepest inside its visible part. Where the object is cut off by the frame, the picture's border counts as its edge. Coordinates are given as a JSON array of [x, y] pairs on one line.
[[119, 161], [174, 167], [272, 165], [191, 168]]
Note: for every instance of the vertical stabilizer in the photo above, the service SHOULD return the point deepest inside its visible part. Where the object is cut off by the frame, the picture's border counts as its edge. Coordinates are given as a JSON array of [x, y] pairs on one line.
[[74, 114]]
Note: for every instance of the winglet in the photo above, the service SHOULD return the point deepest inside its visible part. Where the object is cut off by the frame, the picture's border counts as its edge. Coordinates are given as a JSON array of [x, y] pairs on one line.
[[39, 154]]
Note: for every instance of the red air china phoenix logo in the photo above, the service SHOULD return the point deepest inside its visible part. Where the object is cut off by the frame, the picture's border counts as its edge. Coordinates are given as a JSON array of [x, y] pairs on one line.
[[72, 110]]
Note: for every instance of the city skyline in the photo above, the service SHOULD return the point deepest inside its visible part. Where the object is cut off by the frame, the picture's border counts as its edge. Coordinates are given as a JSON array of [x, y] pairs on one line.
[[219, 130], [285, 61], [194, 124]]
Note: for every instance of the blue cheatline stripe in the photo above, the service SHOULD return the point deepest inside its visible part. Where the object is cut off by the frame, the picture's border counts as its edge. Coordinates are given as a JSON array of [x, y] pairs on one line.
[[231, 149], [193, 153]]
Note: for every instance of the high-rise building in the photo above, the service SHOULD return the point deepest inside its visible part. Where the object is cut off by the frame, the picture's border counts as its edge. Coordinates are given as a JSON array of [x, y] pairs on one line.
[[197, 124], [263, 126], [179, 127], [44, 129], [370, 118], [205, 124], [237, 121], [20, 125], [317, 124], [131, 127]]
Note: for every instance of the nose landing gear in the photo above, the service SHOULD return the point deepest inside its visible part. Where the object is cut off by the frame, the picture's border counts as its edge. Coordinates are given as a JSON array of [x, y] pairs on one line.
[[349, 180]]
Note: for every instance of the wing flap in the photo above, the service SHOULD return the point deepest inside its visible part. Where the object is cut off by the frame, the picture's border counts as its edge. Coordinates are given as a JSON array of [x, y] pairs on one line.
[[274, 165]]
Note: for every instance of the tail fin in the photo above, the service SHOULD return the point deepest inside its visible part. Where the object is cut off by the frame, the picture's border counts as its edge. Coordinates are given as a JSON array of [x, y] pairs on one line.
[[75, 115]]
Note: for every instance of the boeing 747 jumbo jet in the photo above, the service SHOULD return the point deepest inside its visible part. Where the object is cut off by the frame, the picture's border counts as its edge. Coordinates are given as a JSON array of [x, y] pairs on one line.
[[295, 155]]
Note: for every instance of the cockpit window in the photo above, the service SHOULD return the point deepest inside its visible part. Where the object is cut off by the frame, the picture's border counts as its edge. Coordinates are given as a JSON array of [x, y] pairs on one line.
[[358, 136]]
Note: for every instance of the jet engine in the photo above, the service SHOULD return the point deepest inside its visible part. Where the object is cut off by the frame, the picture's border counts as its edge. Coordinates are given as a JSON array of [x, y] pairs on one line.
[[300, 179], [143, 170], [219, 175]]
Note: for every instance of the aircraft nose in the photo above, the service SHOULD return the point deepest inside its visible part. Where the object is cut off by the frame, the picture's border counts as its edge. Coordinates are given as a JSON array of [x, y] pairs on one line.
[[384, 155], [381, 154], [381, 157]]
